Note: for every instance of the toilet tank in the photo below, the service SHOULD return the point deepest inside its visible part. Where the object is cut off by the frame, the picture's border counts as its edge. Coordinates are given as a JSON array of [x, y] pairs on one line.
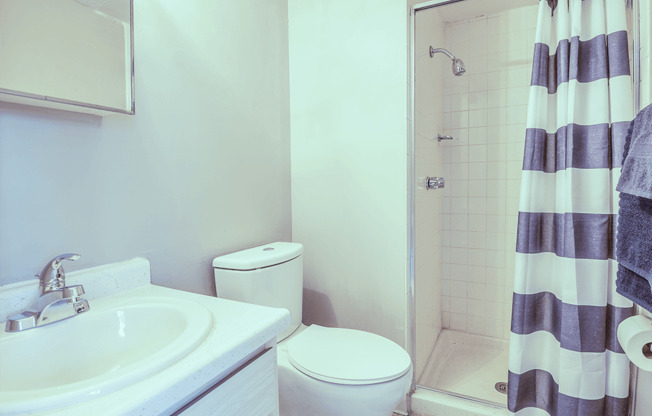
[[268, 275]]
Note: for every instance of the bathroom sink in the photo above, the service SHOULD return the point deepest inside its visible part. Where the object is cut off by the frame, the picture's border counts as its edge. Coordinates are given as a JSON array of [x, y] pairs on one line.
[[116, 344]]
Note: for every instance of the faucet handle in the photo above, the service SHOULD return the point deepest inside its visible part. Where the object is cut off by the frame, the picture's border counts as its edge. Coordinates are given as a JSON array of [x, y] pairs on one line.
[[53, 277], [56, 262]]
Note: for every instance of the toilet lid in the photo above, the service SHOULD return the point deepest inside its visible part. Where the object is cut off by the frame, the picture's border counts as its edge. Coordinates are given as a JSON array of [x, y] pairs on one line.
[[347, 356]]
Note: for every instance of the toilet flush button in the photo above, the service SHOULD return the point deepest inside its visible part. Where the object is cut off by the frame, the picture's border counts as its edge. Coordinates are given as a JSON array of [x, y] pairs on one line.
[[268, 249]]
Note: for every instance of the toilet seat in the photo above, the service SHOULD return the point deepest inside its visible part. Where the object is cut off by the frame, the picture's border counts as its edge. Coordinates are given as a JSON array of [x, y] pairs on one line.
[[347, 356]]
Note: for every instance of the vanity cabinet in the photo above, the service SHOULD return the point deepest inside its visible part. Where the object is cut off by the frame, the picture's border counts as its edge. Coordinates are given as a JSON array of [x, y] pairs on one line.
[[251, 389]]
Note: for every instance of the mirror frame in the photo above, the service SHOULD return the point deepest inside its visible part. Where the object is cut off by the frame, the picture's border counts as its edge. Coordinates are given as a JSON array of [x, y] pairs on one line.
[[26, 98]]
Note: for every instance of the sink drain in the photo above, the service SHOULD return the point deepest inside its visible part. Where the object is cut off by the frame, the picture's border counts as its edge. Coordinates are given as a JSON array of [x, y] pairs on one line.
[[501, 387]]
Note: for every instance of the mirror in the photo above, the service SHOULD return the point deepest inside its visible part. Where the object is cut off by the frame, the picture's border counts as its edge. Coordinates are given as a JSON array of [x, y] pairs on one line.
[[75, 55]]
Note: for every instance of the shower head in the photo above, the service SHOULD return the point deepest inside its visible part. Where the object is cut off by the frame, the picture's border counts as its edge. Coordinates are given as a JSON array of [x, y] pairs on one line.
[[458, 66]]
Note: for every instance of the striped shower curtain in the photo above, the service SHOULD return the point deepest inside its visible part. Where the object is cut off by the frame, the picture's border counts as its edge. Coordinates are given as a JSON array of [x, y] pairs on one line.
[[565, 359]]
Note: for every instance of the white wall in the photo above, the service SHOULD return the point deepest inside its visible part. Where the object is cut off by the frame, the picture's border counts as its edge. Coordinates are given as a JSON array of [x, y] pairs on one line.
[[348, 63], [201, 169]]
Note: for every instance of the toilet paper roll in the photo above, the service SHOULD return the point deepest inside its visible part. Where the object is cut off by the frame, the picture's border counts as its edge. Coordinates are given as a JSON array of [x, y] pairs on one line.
[[635, 336]]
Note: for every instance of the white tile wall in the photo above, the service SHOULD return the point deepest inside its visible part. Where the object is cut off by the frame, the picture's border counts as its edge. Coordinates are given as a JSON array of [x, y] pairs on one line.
[[486, 115]]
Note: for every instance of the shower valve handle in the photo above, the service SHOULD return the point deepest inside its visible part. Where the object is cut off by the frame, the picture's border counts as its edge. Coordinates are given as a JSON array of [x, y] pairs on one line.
[[435, 182]]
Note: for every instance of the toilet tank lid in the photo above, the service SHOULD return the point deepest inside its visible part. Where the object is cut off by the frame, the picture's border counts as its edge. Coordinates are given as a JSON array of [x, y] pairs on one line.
[[259, 257]]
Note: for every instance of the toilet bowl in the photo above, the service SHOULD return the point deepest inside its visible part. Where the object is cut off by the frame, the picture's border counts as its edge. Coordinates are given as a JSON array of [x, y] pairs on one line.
[[322, 371], [337, 382]]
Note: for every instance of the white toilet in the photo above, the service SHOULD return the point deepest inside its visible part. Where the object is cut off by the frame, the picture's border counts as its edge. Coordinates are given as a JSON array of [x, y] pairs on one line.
[[322, 371]]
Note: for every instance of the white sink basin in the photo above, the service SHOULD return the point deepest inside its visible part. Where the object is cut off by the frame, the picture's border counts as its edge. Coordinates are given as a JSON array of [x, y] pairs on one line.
[[116, 344]]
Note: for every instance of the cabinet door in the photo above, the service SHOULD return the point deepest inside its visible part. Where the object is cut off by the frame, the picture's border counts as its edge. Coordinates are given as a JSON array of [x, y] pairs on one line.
[[251, 390]]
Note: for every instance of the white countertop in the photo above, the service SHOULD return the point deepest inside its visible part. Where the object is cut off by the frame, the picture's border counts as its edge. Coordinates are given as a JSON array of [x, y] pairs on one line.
[[239, 331]]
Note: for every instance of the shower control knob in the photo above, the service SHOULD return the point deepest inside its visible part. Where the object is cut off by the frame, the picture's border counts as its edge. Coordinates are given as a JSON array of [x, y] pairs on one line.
[[435, 182]]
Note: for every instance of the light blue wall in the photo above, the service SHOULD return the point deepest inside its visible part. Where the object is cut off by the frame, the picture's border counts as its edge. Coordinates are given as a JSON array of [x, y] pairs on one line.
[[202, 169]]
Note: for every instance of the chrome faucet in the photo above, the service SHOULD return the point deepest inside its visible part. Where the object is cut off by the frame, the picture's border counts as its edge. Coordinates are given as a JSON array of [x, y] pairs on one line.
[[56, 301]]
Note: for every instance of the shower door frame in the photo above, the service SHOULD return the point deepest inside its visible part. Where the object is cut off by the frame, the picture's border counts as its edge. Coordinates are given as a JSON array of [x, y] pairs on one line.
[[410, 341]]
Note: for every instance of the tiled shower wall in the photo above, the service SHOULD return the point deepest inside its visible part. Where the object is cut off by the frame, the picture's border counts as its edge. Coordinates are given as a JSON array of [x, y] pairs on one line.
[[485, 112]]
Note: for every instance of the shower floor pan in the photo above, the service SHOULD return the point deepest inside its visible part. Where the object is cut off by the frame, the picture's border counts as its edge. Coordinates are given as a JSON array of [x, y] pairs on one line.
[[468, 365]]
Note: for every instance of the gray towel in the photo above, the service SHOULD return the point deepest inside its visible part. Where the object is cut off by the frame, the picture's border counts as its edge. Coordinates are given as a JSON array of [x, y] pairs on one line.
[[636, 176], [634, 243], [634, 250], [634, 287]]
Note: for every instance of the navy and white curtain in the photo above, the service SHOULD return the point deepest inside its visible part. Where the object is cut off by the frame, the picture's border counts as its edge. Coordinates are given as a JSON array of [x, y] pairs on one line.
[[565, 359]]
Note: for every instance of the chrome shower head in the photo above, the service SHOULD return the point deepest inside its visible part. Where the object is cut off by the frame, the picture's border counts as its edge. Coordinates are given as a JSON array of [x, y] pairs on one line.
[[458, 66]]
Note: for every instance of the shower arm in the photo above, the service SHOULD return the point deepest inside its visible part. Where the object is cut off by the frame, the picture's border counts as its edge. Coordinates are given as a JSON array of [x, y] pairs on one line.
[[433, 51]]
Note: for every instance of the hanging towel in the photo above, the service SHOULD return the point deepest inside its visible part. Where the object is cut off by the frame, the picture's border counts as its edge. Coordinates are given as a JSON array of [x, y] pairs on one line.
[[634, 241], [634, 249], [634, 287], [636, 176]]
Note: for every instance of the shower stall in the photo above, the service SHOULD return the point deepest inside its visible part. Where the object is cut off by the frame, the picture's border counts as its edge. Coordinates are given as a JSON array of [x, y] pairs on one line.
[[468, 128]]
